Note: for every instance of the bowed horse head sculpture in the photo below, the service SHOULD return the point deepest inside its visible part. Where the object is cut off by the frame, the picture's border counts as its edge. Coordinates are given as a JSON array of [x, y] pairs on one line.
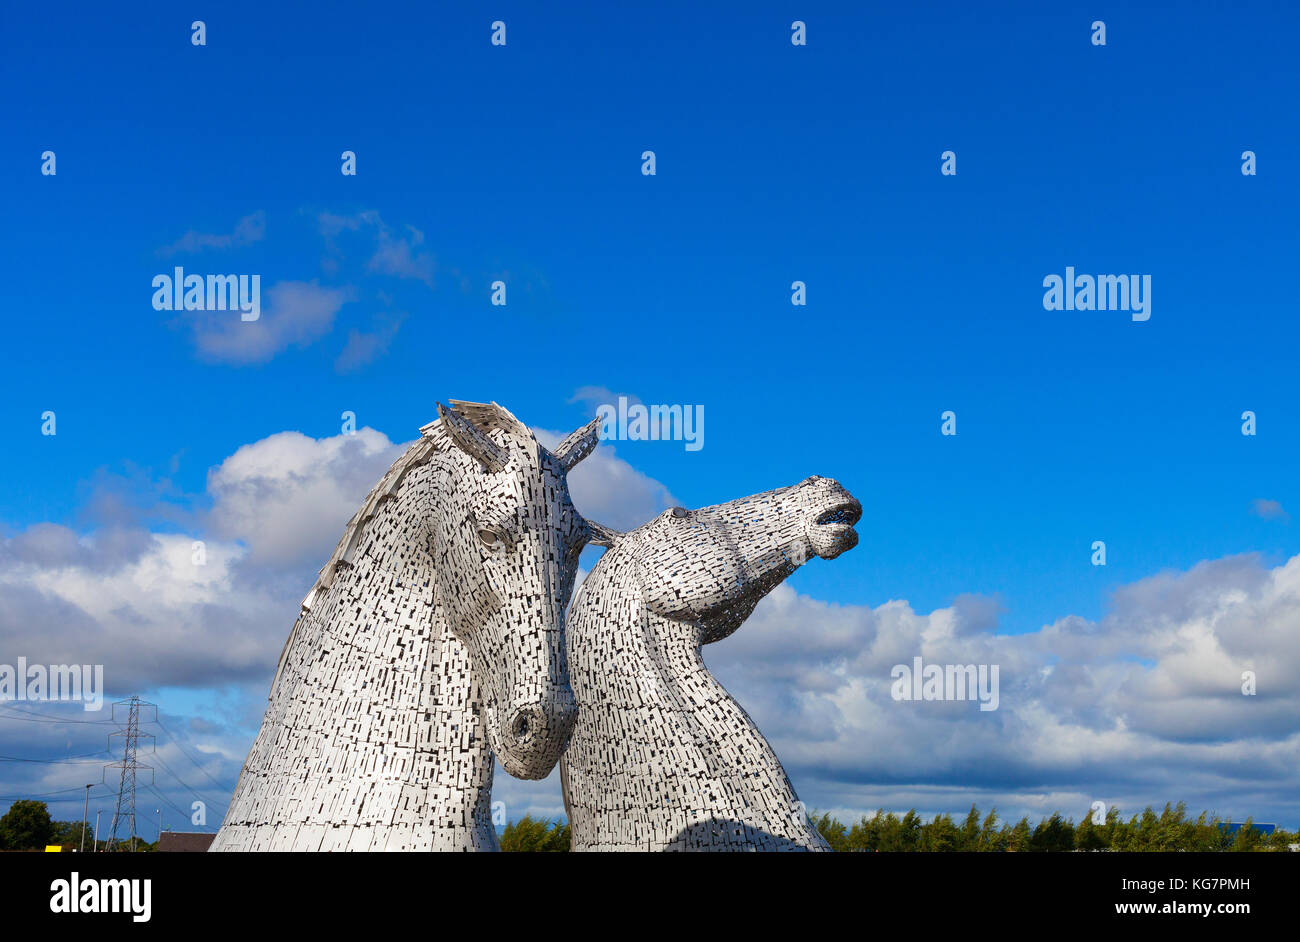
[[662, 757], [432, 639], [505, 549]]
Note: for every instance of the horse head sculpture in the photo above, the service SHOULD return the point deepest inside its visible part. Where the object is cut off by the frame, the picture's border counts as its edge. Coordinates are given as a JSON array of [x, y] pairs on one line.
[[432, 639], [506, 540], [662, 757]]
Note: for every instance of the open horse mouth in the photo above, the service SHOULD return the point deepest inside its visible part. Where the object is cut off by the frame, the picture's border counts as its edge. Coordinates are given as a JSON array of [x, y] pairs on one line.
[[831, 532]]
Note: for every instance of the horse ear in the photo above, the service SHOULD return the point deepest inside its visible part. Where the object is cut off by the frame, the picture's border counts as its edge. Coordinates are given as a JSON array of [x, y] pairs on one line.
[[578, 445], [472, 440], [600, 535]]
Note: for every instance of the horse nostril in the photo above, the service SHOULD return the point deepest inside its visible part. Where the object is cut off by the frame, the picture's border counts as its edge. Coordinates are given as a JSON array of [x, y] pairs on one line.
[[535, 730], [525, 726]]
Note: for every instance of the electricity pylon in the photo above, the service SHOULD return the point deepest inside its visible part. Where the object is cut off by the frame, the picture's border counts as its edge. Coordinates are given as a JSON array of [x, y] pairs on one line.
[[129, 766]]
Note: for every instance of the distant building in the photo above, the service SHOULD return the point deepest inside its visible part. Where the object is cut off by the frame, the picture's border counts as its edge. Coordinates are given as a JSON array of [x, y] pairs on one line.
[[1234, 827], [184, 842]]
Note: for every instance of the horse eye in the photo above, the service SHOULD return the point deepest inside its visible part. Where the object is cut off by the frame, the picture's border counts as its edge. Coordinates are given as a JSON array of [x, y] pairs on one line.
[[489, 538]]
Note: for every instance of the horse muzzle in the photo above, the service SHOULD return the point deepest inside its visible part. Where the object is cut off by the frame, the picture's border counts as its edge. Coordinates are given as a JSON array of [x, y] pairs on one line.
[[535, 731], [831, 516]]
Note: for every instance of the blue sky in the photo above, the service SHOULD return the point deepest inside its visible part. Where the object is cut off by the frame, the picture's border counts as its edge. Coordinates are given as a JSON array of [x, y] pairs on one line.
[[775, 163]]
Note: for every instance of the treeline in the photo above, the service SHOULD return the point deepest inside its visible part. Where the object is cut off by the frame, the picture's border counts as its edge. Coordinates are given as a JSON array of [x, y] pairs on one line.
[[27, 825], [1170, 830], [532, 835]]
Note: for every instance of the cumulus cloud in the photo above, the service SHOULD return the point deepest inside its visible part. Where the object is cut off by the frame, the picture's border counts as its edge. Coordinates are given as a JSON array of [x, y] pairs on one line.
[[288, 496], [294, 313], [137, 603], [608, 490], [248, 230], [1144, 705]]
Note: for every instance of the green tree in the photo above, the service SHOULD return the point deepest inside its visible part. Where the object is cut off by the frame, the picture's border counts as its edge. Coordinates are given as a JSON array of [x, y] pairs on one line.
[[970, 831], [1088, 835], [991, 839], [1019, 837], [909, 832], [890, 838], [1053, 835], [1247, 838], [1208, 834], [533, 835], [1123, 834], [939, 836], [26, 826], [865, 835], [68, 835], [833, 830], [1279, 840]]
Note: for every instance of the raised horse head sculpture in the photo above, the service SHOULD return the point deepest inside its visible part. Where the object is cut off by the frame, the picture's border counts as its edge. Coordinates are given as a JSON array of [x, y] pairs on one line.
[[662, 757], [432, 639]]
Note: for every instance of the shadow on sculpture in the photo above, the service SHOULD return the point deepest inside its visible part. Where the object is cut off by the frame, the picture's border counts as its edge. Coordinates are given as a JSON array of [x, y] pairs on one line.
[[723, 836], [661, 756]]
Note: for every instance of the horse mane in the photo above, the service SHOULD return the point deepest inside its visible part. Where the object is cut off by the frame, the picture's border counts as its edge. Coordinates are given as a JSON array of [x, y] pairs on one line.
[[433, 440]]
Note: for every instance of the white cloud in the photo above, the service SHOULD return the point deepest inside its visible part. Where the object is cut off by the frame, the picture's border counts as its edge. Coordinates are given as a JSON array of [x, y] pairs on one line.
[[1143, 706], [151, 616], [135, 601], [250, 229], [608, 490], [288, 496], [295, 313]]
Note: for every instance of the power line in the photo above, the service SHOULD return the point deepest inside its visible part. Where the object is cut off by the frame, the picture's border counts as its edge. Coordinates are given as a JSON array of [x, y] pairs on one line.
[[191, 789], [33, 717], [64, 759], [125, 797], [193, 761], [167, 801], [74, 788]]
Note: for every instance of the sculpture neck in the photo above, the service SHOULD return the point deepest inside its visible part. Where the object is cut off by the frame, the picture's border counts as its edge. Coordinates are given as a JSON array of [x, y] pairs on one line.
[[373, 738], [659, 734]]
